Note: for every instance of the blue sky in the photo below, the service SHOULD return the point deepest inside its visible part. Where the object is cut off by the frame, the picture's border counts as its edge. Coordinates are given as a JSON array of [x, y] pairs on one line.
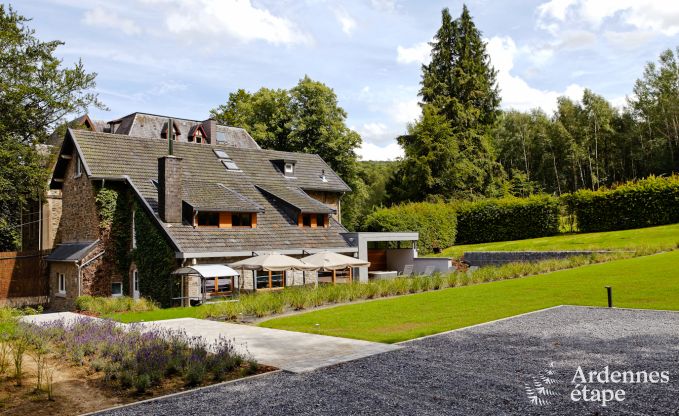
[[183, 57]]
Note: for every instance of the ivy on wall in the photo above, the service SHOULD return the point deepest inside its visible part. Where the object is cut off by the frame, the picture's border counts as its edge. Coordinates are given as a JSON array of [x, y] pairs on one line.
[[114, 206], [153, 256], [155, 260], [107, 202]]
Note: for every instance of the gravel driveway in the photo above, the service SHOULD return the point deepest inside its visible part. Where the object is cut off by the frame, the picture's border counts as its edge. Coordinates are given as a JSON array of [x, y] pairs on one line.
[[504, 367]]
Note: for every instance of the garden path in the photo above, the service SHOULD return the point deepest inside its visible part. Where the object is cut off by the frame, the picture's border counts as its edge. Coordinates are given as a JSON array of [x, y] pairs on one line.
[[296, 352]]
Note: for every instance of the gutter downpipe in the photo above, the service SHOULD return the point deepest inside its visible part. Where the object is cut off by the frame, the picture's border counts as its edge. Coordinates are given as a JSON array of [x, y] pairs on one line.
[[82, 266]]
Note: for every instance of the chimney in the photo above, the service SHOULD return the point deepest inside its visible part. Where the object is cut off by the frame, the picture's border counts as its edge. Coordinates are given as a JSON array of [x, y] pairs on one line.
[[170, 189], [210, 127]]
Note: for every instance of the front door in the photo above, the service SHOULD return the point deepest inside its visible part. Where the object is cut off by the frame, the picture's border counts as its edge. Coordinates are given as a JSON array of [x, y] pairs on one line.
[[135, 284]]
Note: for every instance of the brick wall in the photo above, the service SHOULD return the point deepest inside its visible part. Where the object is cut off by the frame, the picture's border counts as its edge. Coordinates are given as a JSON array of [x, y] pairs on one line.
[[23, 278]]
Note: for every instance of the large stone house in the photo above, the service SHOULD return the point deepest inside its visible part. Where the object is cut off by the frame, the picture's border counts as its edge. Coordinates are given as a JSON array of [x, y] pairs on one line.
[[137, 206]]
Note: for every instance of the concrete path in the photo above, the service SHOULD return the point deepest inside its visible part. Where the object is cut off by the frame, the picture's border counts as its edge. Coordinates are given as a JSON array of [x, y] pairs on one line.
[[291, 351], [67, 317]]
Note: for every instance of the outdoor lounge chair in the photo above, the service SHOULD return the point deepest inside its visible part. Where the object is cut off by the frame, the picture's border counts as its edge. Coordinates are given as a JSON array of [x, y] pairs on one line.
[[428, 271], [407, 270]]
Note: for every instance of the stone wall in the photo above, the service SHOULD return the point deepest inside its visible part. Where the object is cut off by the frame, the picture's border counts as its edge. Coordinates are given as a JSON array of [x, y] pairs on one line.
[[65, 301], [79, 218], [51, 217], [79, 221], [487, 258]]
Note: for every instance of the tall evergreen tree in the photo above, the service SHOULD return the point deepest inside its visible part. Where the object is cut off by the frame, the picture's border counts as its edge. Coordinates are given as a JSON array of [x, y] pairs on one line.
[[459, 84], [460, 81]]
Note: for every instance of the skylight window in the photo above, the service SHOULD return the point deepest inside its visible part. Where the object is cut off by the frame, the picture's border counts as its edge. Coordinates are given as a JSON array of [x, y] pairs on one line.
[[226, 160], [230, 164], [221, 154], [221, 137]]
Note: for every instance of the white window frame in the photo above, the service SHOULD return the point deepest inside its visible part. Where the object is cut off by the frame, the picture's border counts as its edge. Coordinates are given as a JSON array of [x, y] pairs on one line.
[[134, 230], [61, 283], [114, 295], [78, 167], [289, 169]]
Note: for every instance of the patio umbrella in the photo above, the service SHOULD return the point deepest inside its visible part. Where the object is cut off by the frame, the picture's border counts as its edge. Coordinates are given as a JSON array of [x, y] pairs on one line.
[[331, 261], [328, 261], [272, 262]]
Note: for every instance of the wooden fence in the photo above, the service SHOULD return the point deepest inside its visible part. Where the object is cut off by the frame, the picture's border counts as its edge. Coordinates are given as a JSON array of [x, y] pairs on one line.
[[23, 278]]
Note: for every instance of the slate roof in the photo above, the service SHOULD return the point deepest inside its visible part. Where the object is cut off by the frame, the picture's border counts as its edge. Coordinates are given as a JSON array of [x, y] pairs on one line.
[[296, 198], [114, 156], [212, 196], [71, 252], [151, 126]]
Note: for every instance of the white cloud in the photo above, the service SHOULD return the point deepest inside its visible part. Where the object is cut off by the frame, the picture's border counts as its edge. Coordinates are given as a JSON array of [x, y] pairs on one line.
[[384, 5], [628, 40], [369, 151], [655, 15], [515, 91], [102, 18], [555, 9], [345, 20], [419, 53], [165, 87], [372, 130], [405, 111], [240, 19]]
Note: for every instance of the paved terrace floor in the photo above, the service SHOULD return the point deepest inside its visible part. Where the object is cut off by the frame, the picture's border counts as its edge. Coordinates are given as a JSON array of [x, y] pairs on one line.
[[490, 369]]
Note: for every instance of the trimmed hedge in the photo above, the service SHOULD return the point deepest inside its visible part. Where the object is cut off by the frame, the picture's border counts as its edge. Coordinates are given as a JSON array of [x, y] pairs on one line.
[[644, 203], [436, 223], [507, 219]]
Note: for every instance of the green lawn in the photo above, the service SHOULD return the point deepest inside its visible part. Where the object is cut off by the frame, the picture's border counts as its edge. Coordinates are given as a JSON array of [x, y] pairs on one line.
[[652, 237], [158, 315], [650, 282]]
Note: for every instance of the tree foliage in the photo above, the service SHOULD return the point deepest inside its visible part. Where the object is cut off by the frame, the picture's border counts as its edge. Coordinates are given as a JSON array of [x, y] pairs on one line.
[[306, 118], [36, 92], [448, 151], [588, 143]]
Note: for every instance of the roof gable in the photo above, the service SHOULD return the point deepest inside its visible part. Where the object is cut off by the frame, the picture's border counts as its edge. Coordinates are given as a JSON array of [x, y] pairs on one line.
[[208, 185]]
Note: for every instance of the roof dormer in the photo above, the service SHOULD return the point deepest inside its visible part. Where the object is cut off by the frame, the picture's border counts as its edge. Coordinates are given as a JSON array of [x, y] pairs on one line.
[[197, 135], [285, 166], [177, 132]]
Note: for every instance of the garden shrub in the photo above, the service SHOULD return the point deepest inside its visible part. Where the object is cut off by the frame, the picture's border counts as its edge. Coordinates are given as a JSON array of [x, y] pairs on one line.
[[507, 219], [636, 204], [436, 223], [108, 305], [133, 357]]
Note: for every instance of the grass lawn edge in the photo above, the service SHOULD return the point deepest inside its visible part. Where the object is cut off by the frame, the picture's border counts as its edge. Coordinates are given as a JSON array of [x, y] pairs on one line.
[[640, 282]]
